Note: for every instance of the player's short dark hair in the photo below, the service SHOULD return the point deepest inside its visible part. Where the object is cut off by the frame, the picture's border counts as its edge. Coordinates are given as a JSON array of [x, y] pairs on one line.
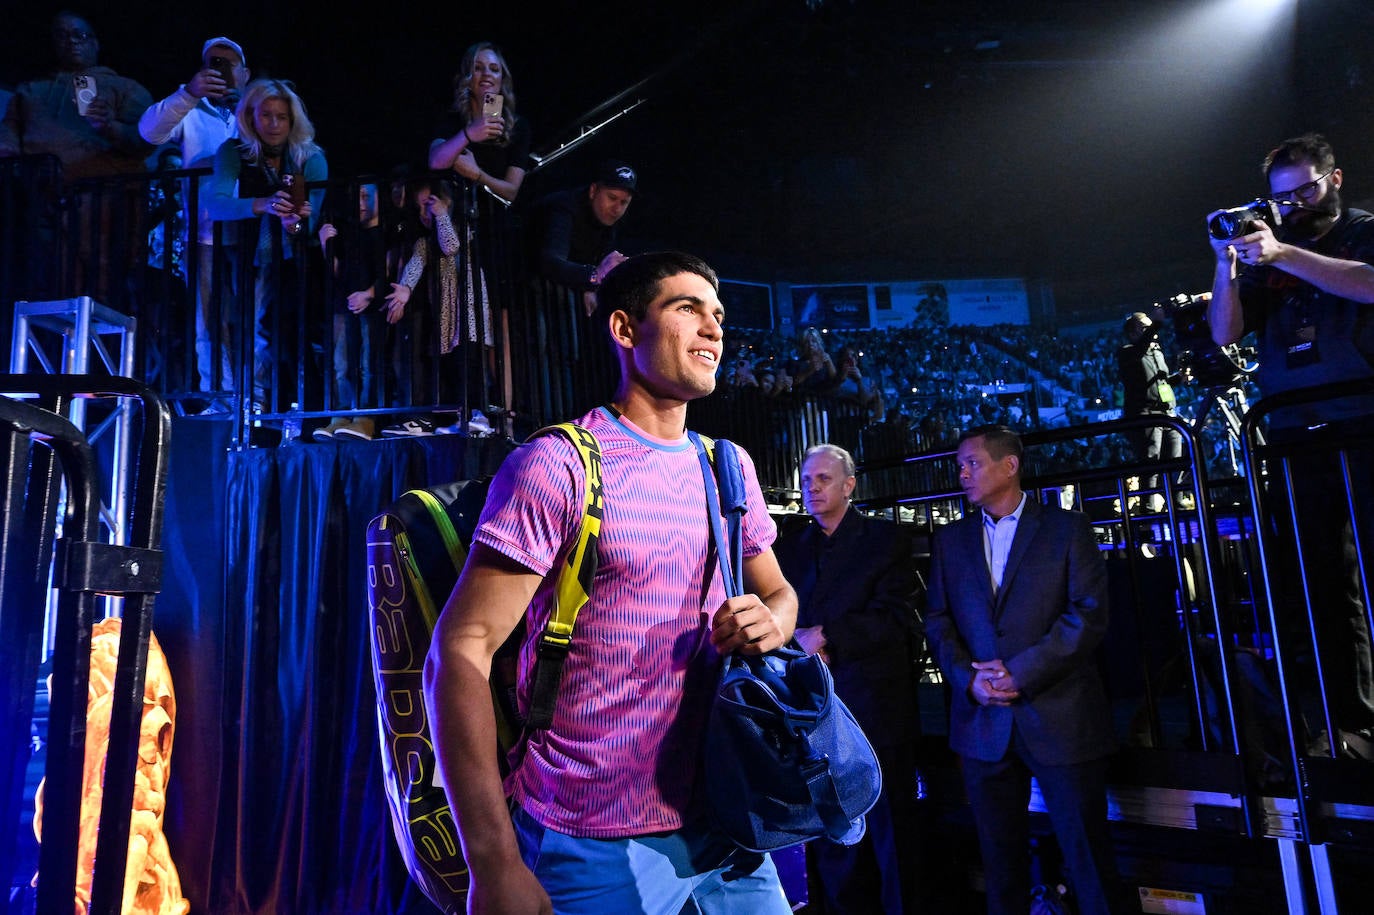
[[633, 284]]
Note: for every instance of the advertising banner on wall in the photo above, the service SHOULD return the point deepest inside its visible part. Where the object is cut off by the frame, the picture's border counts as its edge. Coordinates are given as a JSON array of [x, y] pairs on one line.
[[834, 307], [747, 304], [980, 302], [957, 302]]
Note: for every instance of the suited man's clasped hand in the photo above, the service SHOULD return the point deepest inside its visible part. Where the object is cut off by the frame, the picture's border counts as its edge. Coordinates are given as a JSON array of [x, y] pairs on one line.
[[993, 684]]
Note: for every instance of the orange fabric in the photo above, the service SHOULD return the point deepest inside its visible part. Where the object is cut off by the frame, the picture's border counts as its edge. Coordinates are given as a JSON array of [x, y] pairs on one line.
[[151, 883]]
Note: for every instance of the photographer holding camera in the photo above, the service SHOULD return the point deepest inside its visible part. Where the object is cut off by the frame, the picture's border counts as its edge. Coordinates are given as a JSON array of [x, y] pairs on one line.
[[1299, 274], [1304, 287]]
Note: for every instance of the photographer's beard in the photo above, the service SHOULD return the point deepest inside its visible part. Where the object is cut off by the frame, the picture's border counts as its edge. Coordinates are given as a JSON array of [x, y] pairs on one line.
[[1312, 221]]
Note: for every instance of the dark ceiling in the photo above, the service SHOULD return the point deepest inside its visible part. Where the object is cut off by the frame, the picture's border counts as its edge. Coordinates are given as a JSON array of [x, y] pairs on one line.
[[1078, 143]]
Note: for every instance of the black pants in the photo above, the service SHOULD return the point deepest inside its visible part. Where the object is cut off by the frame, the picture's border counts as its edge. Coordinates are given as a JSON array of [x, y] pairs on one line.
[[1076, 798], [877, 874], [1325, 531]]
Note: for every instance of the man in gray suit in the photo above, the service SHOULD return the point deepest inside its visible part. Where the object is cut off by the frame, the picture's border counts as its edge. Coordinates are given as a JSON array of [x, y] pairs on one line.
[[1017, 606]]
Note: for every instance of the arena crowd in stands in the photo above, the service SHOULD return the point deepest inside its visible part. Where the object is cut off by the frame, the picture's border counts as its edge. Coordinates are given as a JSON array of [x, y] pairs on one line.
[[933, 381]]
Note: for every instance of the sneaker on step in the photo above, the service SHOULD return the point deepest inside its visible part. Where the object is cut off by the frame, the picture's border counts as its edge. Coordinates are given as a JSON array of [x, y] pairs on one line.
[[1358, 744], [409, 428], [325, 433], [363, 428], [215, 407], [479, 424]]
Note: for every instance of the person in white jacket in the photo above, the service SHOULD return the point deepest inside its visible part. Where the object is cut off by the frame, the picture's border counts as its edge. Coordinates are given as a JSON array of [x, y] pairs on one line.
[[199, 117]]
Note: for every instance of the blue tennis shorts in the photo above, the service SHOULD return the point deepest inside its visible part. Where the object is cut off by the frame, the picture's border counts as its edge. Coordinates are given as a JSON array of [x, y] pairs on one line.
[[690, 870]]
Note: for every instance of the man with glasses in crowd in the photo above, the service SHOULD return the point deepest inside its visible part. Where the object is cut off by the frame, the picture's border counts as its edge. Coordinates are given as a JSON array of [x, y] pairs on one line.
[[93, 127], [86, 116], [1306, 288]]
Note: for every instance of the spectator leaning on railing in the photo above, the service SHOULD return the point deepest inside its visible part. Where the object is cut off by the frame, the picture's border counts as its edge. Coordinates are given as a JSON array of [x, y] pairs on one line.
[[199, 118]]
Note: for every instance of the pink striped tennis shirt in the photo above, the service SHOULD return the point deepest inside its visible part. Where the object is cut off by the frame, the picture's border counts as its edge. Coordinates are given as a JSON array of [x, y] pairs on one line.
[[622, 756]]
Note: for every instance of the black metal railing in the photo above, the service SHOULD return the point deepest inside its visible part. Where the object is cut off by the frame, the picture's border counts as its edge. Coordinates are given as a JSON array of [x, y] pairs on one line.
[[133, 243], [45, 453], [1178, 638], [1312, 502]]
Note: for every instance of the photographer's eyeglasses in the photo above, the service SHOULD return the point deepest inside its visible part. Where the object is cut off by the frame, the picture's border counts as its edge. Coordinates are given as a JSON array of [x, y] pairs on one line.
[[1303, 191], [72, 36]]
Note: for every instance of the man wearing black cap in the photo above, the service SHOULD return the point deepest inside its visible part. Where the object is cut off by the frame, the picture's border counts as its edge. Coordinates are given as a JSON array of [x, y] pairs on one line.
[[573, 245], [576, 228]]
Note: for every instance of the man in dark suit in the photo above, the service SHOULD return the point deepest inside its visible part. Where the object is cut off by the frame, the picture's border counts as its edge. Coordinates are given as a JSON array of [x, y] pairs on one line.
[[855, 582], [1017, 606]]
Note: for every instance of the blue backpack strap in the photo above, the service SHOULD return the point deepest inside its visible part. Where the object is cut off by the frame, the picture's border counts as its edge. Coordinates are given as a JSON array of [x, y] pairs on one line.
[[725, 495], [734, 501]]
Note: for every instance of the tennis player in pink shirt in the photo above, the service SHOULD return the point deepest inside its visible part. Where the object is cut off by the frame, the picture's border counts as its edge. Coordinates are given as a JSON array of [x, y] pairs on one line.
[[603, 812]]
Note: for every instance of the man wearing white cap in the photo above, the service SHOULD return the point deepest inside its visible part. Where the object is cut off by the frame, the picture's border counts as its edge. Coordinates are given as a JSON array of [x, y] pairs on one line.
[[199, 117]]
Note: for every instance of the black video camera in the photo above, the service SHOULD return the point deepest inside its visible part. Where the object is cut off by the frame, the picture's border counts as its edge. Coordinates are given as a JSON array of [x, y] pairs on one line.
[[1237, 220], [1205, 362], [1219, 366]]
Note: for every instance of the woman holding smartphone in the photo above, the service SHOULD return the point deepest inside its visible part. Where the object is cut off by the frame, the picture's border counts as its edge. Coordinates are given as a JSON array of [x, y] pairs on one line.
[[487, 142], [263, 173]]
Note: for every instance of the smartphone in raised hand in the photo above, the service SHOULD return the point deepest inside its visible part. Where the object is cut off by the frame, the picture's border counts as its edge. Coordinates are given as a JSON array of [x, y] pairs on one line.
[[295, 186], [85, 93], [225, 67]]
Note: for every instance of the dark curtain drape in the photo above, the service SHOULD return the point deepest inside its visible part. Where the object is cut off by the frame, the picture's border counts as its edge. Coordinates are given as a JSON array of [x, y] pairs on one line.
[[276, 803]]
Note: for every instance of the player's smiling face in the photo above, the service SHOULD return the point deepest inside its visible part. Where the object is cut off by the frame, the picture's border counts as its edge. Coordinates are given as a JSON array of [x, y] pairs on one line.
[[678, 344]]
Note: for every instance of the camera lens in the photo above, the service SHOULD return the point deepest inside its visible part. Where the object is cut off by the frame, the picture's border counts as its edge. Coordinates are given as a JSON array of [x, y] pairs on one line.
[[1227, 224], [1238, 220]]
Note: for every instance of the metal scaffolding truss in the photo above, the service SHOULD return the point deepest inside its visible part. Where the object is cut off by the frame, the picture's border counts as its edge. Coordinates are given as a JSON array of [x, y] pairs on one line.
[[82, 337]]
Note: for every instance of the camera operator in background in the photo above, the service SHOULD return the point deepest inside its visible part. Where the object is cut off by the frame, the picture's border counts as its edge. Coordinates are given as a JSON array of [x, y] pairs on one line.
[[1145, 380], [1305, 285]]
